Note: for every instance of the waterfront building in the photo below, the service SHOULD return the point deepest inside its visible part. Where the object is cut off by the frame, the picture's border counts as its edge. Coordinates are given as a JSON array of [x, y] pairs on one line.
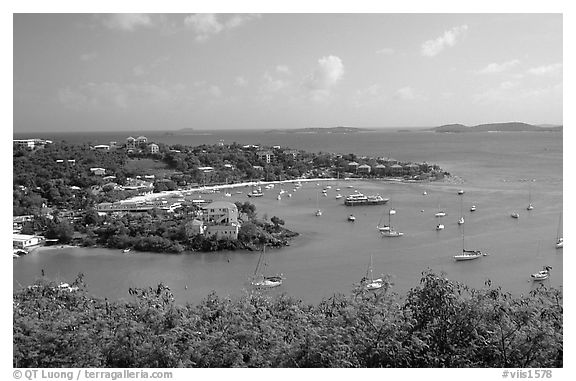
[[153, 148], [380, 169], [21, 241], [130, 143], [220, 212], [31, 143], [364, 169], [353, 166], [223, 231]]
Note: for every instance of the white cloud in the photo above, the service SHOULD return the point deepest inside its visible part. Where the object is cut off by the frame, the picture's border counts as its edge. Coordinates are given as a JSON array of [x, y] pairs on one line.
[[144, 69], [386, 51], [206, 25], [329, 71], [127, 21], [90, 56], [273, 85], [138, 96], [433, 47], [283, 69], [407, 93], [543, 70], [498, 67], [240, 81]]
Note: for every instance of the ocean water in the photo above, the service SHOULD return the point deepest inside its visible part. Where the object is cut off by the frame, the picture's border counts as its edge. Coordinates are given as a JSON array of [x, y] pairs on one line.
[[498, 171]]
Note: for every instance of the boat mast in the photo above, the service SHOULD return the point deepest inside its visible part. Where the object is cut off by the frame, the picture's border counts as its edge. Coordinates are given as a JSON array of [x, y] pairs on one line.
[[559, 225]]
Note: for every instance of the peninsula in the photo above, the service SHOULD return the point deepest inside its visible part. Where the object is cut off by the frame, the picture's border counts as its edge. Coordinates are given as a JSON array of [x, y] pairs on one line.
[[496, 127]]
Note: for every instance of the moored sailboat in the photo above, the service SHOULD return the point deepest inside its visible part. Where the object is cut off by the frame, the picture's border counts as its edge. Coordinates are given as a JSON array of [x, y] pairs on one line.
[[369, 282], [559, 238], [259, 279], [391, 232], [467, 255]]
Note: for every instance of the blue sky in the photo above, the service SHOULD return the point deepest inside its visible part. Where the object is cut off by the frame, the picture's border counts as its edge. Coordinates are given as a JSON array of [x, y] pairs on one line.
[[84, 72]]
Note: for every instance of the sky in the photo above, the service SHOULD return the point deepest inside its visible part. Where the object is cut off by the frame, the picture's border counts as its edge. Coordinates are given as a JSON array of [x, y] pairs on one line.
[[87, 72]]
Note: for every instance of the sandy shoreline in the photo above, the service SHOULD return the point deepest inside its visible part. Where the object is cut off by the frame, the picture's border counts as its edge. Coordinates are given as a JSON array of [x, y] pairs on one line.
[[176, 193]]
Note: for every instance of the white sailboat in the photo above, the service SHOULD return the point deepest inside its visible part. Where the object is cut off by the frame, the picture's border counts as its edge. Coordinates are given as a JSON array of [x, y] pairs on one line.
[[382, 227], [461, 219], [318, 210], [440, 212], [559, 238], [467, 255], [391, 232], [369, 282], [259, 279], [530, 206]]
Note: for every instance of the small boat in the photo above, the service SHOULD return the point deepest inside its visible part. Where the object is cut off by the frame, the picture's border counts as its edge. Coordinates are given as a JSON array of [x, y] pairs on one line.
[[351, 218], [228, 194], [439, 227], [318, 213], [126, 250], [19, 252], [337, 189], [328, 187], [279, 197], [14, 255], [461, 191], [560, 243], [424, 193], [256, 193], [461, 221], [473, 208], [318, 210], [289, 194], [530, 207], [440, 214], [542, 274], [515, 215], [338, 196]]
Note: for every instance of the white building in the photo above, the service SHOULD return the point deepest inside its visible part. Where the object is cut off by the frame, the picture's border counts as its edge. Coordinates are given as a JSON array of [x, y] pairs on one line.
[[154, 148], [22, 241], [102, 147], [220, 213], [130, 143]]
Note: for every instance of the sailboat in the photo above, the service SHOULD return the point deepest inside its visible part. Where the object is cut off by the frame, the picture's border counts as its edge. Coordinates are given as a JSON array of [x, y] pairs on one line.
[[461, 219], [391, 232], [381, 227], [530, 206], [265, 281], [369, 282], [559, 238], [318, 210], [256, 192], [467, 255], [440, 212]]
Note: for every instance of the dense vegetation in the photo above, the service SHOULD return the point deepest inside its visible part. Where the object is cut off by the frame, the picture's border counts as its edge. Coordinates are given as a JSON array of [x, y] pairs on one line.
[[438, 324], [172, 233]]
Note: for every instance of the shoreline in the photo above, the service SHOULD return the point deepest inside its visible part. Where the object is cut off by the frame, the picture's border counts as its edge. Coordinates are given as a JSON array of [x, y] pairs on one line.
[[451, 180]]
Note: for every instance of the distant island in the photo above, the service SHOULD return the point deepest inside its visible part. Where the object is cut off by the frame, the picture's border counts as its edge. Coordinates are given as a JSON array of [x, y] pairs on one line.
[[496, 127], [322, 130]]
